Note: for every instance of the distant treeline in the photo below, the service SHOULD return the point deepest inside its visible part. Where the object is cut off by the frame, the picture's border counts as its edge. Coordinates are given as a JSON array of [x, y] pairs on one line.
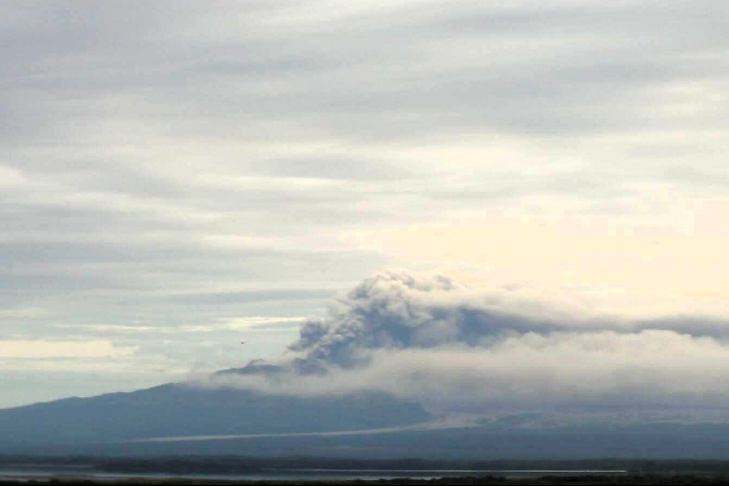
[[643, 479], [181, 464]]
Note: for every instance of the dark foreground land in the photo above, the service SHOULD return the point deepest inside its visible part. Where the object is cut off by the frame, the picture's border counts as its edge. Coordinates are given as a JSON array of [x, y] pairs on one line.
[[191, 470], [547, 480]]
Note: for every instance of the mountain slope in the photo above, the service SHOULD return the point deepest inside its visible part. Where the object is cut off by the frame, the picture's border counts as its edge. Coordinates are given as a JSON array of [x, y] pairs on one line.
[[183, 410]]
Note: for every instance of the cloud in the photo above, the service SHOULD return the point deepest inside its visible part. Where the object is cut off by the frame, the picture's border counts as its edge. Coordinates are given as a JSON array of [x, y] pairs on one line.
[[401, 309], [62, 349], [452, 344], [593, 371], [249, 323]]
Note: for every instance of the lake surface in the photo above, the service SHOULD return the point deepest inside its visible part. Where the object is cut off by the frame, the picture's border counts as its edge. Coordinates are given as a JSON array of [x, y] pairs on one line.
[[81, 472]]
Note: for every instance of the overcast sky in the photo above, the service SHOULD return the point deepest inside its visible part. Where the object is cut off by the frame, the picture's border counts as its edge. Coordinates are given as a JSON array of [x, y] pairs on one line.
[[177, 176]]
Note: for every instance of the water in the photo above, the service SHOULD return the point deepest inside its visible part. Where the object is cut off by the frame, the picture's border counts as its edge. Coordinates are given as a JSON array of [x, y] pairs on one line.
[[83, 472]]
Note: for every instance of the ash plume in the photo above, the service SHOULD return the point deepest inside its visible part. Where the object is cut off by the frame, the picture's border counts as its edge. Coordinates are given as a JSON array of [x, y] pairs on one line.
[[451, 343]]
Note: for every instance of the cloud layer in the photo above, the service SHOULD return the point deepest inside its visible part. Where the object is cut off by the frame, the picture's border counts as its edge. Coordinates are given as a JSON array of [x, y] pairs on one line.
[[168, 166], [453, 344]]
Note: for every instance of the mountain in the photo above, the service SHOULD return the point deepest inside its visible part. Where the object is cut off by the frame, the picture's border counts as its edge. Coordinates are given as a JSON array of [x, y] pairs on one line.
[[178, 418], [179, 409]]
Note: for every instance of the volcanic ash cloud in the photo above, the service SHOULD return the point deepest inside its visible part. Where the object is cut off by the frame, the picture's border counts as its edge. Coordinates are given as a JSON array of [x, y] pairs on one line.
[[450, 343]]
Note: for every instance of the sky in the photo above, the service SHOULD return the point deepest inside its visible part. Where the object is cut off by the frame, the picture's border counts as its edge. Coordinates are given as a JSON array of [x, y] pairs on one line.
[[177, 176]]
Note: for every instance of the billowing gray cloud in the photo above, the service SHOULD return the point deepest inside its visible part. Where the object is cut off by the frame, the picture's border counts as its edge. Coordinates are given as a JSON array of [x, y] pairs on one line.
[[399, 309], [454, 345]]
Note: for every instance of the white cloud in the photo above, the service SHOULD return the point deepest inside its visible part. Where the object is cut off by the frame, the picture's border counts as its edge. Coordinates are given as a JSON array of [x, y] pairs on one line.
[[252, 323], [602, 370], [62, 349], [258, 322]]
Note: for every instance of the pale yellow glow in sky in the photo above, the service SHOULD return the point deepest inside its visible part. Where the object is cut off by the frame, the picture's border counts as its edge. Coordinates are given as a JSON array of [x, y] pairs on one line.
[[668, 264]]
